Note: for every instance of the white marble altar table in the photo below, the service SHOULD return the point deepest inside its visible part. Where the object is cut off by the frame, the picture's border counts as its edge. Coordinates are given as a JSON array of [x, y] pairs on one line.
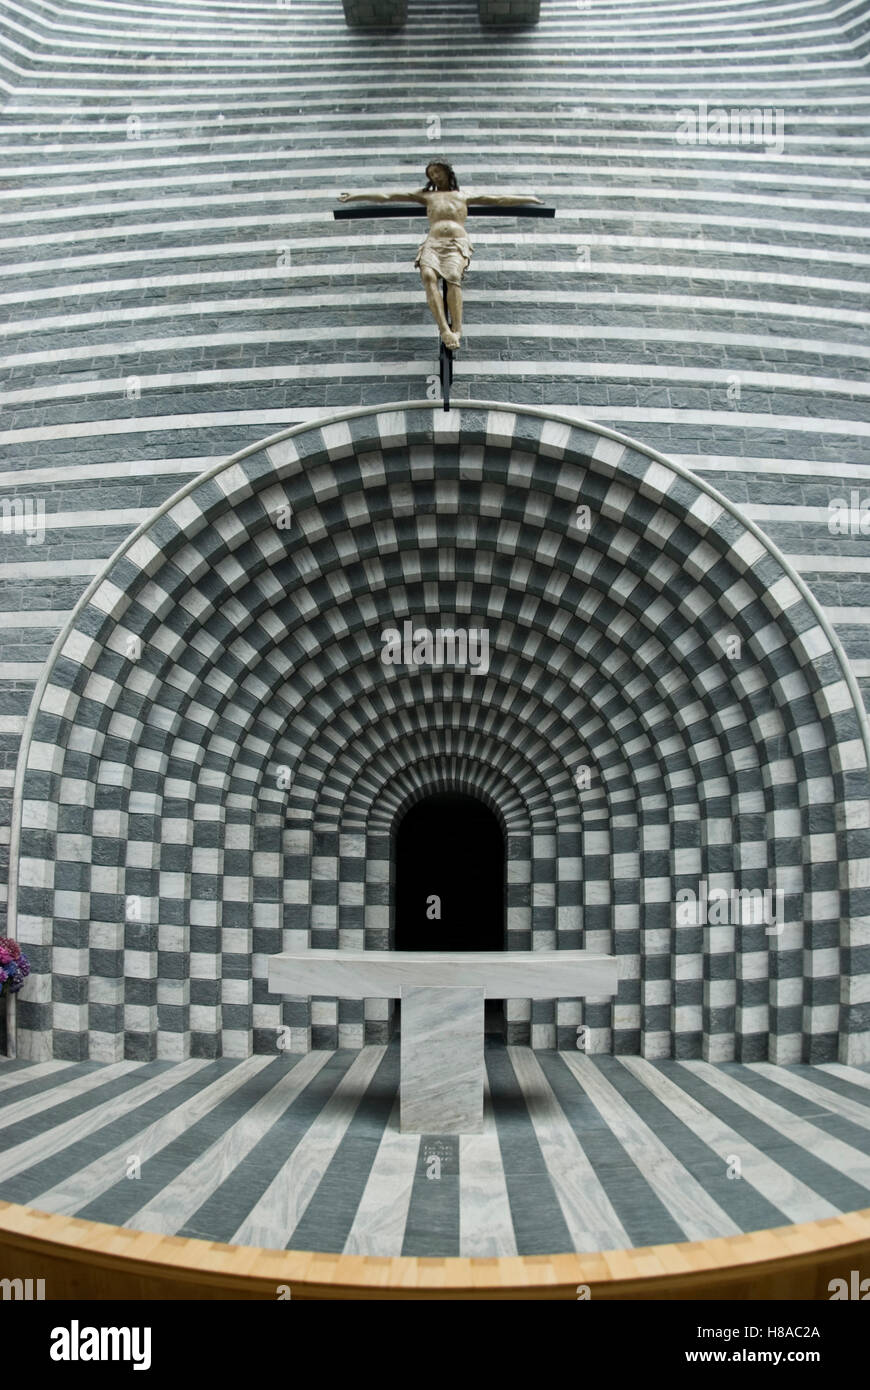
[[442, 994]]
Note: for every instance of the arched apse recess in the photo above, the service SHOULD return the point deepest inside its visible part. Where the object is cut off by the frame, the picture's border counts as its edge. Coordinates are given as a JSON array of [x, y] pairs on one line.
[[217, 751]]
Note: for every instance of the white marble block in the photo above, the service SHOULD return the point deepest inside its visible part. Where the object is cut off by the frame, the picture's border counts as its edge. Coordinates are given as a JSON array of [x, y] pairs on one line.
[[442, 1059], [501, 974]]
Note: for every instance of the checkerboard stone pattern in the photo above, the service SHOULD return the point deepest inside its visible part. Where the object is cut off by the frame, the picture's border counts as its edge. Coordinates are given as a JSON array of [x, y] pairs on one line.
[[220, 759]]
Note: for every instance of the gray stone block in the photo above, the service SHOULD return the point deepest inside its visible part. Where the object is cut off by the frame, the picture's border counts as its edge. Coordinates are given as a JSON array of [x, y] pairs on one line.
[[375, 14]]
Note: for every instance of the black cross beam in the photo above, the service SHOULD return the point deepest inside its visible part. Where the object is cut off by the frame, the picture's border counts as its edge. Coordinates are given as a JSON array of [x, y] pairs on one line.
[[415, 210]]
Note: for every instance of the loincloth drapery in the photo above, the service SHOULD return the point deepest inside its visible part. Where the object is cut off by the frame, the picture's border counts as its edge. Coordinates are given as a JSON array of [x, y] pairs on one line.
[[448, 256]]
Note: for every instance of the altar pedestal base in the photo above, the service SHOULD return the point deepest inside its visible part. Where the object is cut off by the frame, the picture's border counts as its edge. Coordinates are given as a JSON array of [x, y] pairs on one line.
[[442, 1059]]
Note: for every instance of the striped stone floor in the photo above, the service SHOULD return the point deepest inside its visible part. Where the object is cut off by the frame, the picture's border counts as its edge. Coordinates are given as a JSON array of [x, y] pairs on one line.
[[578, 1153]]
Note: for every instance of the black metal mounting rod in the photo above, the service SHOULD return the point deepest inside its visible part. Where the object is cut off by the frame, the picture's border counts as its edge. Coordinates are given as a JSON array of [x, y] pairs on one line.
[[446, 355]]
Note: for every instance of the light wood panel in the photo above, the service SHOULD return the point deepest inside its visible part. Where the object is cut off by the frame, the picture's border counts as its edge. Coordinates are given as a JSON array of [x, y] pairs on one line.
[[87, 1260]]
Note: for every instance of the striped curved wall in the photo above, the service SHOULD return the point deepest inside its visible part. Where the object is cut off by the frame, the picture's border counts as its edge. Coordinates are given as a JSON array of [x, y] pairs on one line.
[[175, 290]]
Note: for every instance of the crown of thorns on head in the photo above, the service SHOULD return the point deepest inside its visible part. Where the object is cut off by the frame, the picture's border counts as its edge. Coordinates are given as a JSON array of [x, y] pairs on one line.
[[452, 181]]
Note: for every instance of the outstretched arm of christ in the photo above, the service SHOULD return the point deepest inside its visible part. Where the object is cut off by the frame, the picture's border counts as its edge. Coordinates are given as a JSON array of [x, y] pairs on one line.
[[377, 197], [504, 200]]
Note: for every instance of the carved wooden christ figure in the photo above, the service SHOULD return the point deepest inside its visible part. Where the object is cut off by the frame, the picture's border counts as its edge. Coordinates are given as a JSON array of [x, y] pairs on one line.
[[446, 253]]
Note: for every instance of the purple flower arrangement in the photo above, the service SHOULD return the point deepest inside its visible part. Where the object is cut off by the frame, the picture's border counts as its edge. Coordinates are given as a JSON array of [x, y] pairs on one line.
[[14, 966]]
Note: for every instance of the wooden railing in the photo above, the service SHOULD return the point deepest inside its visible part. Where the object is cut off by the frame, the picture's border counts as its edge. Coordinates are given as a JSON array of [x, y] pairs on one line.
[[86, 1260]]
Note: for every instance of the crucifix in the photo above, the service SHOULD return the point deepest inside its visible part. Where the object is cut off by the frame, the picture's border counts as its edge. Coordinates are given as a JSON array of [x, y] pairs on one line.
[[446, 253]]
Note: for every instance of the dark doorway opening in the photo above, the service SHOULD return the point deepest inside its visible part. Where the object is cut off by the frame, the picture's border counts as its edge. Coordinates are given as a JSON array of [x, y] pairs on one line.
[[450, 875]]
